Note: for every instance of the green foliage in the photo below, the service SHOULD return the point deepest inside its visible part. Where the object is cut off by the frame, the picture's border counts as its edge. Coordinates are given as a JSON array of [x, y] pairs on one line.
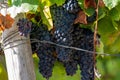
[[105, 26], [58, 2], [115, 14], [3, 72], [42, 13], [19, 2], [109, 68], [111, 3]]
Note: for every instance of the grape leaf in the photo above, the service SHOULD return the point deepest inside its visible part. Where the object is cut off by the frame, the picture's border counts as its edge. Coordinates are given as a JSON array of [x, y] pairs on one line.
[[115, 47], [3, 73], [44, 10], [81, 18], [20, 2], [115, 14], [111, 3], [105, 26], [58, 2], [89, 3], [101, 3], [5, 22], [25, 7]]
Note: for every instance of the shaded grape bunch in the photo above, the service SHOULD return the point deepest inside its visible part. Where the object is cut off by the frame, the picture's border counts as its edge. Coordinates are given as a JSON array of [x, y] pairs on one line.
[[39, 32], [71, 6], [71, 67], [44, 51], [46, 61], [84, 39], [62, 21], [24, 26]]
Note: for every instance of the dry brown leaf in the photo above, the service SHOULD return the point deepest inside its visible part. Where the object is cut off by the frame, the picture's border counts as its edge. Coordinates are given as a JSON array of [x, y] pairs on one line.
[[101, 3], [1, 23], [30, 16], [81, 18], [5, 22], [89, 3]]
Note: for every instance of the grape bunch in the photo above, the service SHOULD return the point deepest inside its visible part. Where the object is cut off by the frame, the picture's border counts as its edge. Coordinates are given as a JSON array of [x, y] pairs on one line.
[[44, 51], [84, 40], [46, 61], [24, 26], [65, 33], [71, 67], [62, 21], [71, 6]]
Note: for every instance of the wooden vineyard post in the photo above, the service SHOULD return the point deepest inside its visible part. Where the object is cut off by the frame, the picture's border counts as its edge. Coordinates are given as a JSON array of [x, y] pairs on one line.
[[18, 54]]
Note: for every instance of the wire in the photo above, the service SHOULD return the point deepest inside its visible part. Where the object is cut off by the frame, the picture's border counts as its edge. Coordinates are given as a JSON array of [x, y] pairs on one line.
[[52, 43]]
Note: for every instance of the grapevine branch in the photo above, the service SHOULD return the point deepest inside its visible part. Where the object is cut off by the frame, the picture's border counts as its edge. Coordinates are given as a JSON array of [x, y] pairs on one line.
[[95, 35]]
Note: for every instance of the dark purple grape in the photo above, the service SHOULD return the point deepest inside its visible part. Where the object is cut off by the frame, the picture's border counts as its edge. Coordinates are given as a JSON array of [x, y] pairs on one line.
[[24, 26]]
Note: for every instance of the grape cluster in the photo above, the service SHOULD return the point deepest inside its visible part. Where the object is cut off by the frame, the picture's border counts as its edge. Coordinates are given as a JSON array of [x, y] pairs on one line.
[[69, 34], [44, 51], [46, 62], [71, 6], [63, 22], [71, 67], [84, 40], [24, 26], [65, 33]]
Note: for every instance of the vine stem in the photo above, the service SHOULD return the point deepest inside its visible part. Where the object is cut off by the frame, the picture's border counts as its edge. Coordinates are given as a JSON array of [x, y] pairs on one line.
[[95, 36]]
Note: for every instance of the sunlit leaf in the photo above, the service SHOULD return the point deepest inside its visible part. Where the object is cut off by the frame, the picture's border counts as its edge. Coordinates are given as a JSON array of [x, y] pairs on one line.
[[111, 3], [115, 14]]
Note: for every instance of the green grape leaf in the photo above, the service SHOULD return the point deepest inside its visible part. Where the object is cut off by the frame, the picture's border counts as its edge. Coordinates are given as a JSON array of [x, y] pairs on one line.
[[51, 2], [116, 45], [105, 26], [115, 14], [107, 30], [43, 16], [20, 2], [25, 7], [58, 2], [3, 73], [21, 6], [111, 3]]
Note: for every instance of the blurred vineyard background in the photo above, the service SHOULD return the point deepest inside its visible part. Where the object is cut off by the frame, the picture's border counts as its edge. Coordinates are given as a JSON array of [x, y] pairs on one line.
[[109, 68], [108, 27]]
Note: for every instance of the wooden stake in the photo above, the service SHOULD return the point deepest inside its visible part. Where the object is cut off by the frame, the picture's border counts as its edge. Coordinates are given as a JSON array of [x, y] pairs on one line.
[[19, 60]]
